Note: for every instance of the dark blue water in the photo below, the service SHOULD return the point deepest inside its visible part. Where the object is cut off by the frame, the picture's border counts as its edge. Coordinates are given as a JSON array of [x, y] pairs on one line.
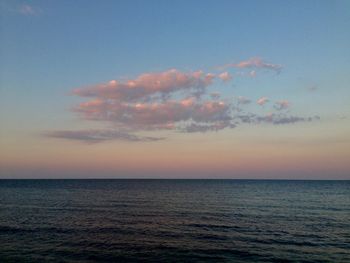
[[174, 221]]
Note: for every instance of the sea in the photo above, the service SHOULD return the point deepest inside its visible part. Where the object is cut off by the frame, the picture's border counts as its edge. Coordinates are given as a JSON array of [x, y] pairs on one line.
[[174, 221]]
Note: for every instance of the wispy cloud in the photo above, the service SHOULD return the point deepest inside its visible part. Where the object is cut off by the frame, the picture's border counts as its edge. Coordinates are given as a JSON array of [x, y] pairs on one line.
[[171, 100], [94, 136], [195, 127], [281, 105], [26, 9], [253, 63], [274, 118]]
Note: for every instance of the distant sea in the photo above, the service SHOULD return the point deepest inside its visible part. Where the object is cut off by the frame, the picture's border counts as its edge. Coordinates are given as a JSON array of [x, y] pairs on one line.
[[174, 221]]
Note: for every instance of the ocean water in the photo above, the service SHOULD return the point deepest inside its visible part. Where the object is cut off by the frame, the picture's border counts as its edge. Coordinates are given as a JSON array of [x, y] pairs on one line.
[[174, 221]]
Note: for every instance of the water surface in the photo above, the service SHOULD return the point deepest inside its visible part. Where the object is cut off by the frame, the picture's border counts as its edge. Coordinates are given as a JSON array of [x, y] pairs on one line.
[[174, 221]]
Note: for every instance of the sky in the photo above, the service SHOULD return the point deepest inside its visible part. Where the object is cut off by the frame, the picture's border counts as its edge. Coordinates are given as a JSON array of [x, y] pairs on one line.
[[175, 89]]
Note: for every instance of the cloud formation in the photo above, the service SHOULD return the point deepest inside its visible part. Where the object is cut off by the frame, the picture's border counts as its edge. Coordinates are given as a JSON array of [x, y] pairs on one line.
[[171, 100], [155, 115], [254, 63], [147, 85], [262, 101]]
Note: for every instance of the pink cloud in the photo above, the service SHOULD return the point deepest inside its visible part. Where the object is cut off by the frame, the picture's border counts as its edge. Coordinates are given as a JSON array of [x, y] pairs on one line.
[[262, 101], [170, 100], [152, 101], [225, 76], [149, 84], [252, 63], [156, 115], [258, 63]]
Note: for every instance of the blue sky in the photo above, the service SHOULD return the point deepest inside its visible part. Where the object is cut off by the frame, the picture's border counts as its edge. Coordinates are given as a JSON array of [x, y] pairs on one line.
[[50, 48]]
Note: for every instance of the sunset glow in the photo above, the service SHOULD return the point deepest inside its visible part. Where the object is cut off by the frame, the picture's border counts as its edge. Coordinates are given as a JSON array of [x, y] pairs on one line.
[[186, 91]]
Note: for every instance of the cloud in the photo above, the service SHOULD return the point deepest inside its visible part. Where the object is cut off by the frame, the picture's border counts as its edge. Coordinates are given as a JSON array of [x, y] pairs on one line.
[[155, 115], [254, 63], [171, 100], [292, 119], [225, 76], [243, 100], [94, 136], [194, 127], [252, 73], [150, 84], [29, 10], [282, 105], [276, 119], [262, 101]]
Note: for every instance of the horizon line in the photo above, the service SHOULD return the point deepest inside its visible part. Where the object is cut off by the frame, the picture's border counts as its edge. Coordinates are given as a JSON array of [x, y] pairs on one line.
[[232, 179]]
